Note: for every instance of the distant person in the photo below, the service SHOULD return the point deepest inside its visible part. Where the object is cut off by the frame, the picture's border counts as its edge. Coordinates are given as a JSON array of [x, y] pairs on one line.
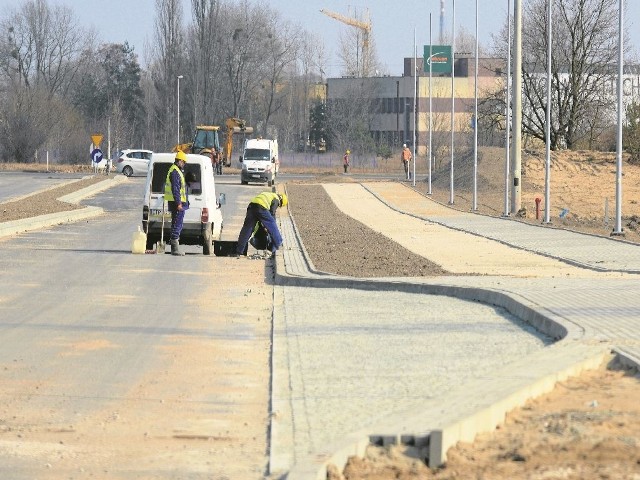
[[345, 161], [406, 157], [262, 209], [175, 193], [216, 161]]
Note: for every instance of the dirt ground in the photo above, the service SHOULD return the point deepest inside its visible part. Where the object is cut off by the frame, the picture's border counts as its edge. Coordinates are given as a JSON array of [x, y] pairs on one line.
[[588, 427], [582, 190], [338, 244]]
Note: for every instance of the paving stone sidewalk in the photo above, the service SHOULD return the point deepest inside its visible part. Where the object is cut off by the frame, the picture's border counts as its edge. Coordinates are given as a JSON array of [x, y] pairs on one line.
[[592, 312]]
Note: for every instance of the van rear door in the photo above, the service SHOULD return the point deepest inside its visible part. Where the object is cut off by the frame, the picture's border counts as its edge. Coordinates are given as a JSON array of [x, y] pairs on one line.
[[193, 178]]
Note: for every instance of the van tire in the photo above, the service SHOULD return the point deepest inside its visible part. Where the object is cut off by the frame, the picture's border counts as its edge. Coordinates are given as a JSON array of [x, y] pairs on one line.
[[242, 182], [207, 243]]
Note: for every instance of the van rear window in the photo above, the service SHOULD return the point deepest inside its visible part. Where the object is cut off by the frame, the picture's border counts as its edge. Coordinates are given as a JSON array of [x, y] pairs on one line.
[[192, 175]]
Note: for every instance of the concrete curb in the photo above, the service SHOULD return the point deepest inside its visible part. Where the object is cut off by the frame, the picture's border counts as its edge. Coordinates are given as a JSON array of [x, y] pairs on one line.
[[475, 407], [43, 221], [69, 216], [281, 426], [83, 193]]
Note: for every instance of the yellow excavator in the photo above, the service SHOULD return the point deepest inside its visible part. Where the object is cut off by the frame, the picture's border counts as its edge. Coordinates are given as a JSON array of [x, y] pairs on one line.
[[205, 139], [234, 125], [208, 136]]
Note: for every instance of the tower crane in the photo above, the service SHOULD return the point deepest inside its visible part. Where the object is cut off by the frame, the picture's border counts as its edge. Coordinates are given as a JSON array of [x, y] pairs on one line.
[[354, 22]]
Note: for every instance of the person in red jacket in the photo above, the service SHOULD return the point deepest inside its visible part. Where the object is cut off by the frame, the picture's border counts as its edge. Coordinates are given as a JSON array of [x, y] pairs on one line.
[[406, 156]]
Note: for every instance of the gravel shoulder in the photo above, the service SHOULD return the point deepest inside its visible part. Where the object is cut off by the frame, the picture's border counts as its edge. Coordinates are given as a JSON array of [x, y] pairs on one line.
[[341, 245], [45, 202]]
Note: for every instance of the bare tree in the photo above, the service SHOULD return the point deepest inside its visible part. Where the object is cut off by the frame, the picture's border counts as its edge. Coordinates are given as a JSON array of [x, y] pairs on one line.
[[46, 44], [205, 75], [282, 46], [359, 59], [244, 29], [42, 54], [584, 43], [167, 65], [26, 121], [350, 117]]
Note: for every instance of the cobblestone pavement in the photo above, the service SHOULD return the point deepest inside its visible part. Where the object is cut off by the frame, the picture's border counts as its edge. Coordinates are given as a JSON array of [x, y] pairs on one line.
[[353, 357]]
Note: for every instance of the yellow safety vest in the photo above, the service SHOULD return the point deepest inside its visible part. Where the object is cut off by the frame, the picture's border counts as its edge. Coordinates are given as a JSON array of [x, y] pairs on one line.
[[168, 193], [265, 199]]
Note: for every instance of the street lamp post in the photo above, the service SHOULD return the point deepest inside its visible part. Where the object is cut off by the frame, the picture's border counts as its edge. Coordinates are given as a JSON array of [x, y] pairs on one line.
[[453, 98], [618, 224], [516, 92], [179, 77]]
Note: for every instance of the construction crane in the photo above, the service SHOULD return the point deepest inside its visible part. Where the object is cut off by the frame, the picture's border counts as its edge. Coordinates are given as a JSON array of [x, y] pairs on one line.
[[366, 30]]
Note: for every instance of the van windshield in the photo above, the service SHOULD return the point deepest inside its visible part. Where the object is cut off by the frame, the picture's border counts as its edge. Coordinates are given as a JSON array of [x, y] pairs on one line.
[[256, 154], [192, 176]]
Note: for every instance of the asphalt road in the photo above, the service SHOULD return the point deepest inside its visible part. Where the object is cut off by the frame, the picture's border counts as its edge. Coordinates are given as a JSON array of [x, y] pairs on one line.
[[116, 364], [122, 366], [18, 184]]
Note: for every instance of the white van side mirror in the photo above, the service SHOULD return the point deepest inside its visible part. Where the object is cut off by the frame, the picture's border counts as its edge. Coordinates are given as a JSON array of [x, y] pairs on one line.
[[222, 199]]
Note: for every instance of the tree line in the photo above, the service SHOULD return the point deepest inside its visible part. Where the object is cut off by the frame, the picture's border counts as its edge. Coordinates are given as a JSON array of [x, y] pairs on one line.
[[59, 82]]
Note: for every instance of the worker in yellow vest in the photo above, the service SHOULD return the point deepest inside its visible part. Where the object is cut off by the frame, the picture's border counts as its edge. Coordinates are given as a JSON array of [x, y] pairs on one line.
[[175, 192], [262, 209]]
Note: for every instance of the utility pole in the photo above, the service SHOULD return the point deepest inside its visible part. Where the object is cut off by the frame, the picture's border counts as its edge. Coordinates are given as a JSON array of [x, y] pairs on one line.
[[618, 226], [516, 154]]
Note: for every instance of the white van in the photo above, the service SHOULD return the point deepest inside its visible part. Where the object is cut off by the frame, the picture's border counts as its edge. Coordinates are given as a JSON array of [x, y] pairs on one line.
[[259, 161], [202, 220]]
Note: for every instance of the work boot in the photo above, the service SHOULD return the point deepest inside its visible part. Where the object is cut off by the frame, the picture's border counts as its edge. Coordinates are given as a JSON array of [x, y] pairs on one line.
[[175, 248]]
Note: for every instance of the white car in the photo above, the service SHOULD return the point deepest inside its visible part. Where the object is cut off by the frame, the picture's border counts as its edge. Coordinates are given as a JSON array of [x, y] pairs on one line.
[[132, 162]]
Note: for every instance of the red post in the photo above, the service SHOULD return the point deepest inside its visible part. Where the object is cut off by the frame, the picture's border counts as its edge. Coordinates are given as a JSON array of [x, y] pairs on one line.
[[538, 200]]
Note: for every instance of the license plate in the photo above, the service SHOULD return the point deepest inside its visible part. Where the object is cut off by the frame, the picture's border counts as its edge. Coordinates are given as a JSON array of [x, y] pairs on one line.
[[156, 212], [255, 175]]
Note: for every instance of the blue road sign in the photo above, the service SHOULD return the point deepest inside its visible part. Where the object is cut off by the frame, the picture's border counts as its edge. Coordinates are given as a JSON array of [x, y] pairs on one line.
[[96, 155]]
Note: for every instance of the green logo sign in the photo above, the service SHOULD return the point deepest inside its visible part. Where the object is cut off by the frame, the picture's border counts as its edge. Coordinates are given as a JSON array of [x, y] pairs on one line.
[[439, 57]]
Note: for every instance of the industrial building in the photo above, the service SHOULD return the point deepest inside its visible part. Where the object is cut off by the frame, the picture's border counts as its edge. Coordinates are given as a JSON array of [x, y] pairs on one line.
[[392, 97]]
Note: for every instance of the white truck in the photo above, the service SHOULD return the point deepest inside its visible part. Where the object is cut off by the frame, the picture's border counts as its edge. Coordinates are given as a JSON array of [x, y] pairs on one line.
[[259, 161]]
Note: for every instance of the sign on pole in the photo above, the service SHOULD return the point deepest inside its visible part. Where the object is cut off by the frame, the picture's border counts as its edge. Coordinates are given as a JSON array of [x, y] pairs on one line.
[[96, 155], [96, 138], [440, 59]]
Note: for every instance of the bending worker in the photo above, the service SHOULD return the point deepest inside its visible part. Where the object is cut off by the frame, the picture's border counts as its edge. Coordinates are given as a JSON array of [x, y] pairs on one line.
[[175, 192], [262, 208]]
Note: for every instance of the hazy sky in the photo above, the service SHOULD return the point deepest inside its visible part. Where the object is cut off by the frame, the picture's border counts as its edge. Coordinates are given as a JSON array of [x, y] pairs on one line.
[[393, 22]]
